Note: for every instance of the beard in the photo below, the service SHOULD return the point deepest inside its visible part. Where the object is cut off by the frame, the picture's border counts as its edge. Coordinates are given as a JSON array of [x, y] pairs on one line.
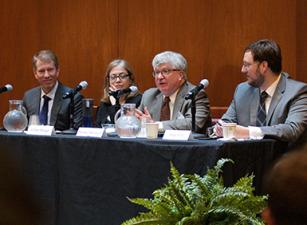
[[258, 81]]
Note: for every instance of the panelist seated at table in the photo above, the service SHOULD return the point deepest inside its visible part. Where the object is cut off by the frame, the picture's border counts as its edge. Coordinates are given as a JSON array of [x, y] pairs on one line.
[[270, 103], [286, 185], [166, 102], [119, 76], [46, 100]]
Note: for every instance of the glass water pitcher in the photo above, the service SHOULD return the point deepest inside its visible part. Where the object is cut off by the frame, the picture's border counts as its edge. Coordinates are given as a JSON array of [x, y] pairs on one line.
[[127, 125], [16, 118]]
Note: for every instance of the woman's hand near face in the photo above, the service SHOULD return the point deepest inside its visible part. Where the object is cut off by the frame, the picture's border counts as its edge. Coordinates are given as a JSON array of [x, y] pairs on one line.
[[112, 87]]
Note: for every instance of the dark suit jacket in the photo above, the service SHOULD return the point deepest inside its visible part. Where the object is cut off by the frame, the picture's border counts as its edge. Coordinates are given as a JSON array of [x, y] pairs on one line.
[[60, 109], [182, 117], [106, 109], [287, 116]]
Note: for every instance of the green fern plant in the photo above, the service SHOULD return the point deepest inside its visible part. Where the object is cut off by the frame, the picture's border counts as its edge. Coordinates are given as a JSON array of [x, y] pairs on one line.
[[201, 200]]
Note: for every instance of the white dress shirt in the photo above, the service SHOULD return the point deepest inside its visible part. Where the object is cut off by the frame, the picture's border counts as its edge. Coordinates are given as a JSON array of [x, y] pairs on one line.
[[51, 95], [255, 132]]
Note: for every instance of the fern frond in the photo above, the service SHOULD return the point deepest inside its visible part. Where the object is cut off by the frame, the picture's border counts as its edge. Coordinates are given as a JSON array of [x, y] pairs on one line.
[[201, 200], [181, 195], [200, 188], [245, 183], [143, 219], [229, 197], [218, 168], [147, 203]]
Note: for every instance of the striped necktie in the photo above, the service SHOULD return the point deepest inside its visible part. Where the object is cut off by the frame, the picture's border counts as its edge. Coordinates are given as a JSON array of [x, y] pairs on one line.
[[261, 115]]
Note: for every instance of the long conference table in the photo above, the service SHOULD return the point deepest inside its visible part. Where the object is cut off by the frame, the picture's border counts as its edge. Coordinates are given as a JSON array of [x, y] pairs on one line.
[[86, 181]]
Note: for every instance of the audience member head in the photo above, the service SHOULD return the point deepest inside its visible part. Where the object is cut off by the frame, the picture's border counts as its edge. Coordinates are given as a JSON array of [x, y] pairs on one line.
[[286, 184], [261, 63], [170, 71], [119, 75], [46, 69]]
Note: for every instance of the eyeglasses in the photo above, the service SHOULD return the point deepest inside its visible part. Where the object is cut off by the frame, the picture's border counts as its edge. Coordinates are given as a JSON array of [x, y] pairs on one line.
[[247, 65], [121, 76], [164, 72]]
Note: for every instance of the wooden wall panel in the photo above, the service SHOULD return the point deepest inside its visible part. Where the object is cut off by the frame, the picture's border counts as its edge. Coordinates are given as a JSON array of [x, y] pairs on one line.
[[301, 40], [18, 35], [82, 33], [210, 34], [87, 35]]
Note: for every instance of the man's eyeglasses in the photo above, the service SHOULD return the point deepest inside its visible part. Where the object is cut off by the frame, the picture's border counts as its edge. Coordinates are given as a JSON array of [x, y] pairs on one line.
[[121, 76], [164, 72], [247, 65]]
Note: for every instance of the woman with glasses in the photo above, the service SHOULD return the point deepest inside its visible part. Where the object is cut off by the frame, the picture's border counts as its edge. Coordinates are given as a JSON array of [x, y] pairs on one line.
[[119, 76]]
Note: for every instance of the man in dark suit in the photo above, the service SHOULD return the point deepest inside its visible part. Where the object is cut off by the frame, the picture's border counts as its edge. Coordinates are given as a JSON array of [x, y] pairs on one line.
[[170, 74], [48, 97], [270, 103]]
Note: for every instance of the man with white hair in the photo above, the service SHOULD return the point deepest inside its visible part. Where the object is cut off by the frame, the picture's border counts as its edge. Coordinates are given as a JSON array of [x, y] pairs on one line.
[[166, 103]]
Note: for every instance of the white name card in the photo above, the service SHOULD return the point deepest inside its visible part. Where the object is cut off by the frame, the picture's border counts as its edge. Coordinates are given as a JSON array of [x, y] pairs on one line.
[[40, 130], [90, 132], [180, 135]]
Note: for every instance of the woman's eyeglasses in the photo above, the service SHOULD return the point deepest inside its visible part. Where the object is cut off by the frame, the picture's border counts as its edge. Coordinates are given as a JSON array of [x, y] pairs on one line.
[[121, 76]]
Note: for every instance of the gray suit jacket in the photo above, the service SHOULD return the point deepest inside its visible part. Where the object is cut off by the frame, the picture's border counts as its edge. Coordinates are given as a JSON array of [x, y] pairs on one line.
[[181, 118], [60, 109], [287, 116]]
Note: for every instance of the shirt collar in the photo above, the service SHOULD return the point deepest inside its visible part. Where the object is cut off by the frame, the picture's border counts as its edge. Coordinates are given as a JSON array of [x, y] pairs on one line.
[[271, 89], [51, 94], [172, 97]]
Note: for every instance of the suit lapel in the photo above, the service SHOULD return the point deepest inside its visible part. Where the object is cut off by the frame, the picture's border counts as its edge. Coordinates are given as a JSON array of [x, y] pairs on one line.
[[56, 104], [254, 106], [156, 107], [35, 106], [179, 100], [280, 89]]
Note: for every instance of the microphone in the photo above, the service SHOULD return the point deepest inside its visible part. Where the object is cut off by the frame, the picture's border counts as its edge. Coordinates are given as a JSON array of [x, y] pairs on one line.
[[118, 93], [5, 88], [191, 94], [73, 92]]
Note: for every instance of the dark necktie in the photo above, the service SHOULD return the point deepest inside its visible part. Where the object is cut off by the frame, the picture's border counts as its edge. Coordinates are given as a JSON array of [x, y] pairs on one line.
[[165, 110], [261, 115], [43, 114]]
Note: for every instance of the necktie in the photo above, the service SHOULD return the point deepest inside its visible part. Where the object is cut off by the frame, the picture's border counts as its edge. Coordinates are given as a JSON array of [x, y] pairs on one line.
[[261, 115], [165, 110], [43, 114]]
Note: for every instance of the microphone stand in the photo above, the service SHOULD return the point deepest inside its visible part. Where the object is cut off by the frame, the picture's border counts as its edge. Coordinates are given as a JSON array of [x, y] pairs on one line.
[[116, 95], [117, 107], [71, 129], [193, 108], [193, 111]]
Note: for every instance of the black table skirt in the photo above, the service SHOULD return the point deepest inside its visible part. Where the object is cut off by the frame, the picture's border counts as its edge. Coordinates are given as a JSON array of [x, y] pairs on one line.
[[86, 181]]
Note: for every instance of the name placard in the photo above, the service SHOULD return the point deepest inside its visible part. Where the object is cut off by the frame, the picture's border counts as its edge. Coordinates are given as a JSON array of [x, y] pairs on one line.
[[179, 135], [40, 130], [90, 132]]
